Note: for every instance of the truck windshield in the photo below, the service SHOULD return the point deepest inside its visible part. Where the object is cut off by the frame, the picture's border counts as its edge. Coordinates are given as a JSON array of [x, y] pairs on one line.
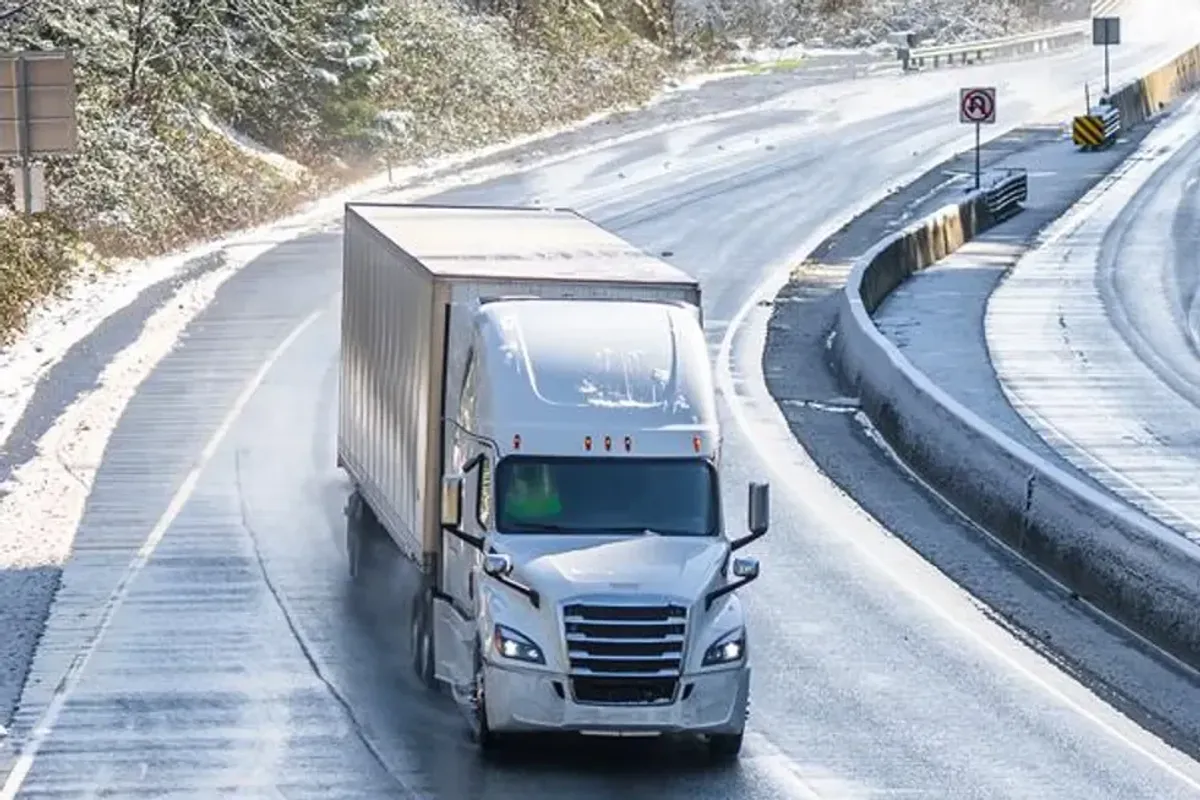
[[672, 497]]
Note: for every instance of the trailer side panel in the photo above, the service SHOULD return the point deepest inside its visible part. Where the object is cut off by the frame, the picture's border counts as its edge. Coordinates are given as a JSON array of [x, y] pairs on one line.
[[386, 389]]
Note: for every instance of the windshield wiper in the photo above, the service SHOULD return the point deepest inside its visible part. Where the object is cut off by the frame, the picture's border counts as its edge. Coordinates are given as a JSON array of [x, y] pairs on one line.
[[546, 527], [550, 527], [652, 531]]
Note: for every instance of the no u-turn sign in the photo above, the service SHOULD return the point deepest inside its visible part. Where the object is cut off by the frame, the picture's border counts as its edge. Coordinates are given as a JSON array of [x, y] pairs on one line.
[[977, 105]]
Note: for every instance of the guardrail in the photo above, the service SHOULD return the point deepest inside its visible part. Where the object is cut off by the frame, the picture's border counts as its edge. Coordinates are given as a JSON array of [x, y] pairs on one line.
[[1129, 565], [1096, 129], [971, 52], [1005, 192], [914, 58]]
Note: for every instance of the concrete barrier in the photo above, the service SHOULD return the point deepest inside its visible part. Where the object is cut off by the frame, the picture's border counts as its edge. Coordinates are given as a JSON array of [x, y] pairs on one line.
[[1135, 569], [1141, 99]]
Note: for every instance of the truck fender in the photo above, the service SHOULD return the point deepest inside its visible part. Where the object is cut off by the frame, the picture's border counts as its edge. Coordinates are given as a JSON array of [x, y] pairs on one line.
[[453, 645]]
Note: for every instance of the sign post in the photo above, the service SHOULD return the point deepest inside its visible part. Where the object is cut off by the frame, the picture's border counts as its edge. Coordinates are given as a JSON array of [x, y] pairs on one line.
[[977, 106], [37, 117], [1106, 31]]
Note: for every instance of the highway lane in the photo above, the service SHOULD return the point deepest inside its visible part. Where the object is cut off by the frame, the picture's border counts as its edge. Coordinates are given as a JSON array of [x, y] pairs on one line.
[[1103, 318], [241, 662]]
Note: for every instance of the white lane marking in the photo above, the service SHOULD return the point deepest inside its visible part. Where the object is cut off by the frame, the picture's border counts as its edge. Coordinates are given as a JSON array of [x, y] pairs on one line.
[[781, 769], [776, 446], [66, 685]]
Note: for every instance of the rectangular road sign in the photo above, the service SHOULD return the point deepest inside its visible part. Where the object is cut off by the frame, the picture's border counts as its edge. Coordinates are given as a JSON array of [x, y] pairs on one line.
[[37, 104], [977, 105], [1106, 30]]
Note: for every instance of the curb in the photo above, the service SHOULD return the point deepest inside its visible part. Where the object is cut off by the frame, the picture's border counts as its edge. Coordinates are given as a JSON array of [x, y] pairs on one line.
[[1132, 567]]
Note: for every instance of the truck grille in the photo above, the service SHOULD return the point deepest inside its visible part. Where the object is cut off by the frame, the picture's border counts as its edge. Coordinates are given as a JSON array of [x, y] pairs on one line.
[[624, 654], [627, 691]]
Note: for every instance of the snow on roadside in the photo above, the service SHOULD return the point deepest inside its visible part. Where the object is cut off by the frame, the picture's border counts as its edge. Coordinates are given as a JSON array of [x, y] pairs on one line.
[[48, 494], [252, 148]]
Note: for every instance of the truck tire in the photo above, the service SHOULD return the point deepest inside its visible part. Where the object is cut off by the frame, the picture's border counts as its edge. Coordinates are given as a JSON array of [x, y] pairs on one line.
[[723, 748], [362, 527], [491, 744], [421, 639]]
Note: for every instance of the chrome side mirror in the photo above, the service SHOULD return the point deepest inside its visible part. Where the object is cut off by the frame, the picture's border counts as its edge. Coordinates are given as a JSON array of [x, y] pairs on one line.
[[498, 565], [745, 568], [452, 494], [759, 508]]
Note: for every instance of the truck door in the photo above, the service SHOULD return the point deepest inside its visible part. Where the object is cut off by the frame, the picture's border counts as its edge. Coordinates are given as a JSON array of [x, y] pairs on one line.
[[461, 558], [454, 639], [460, 565]]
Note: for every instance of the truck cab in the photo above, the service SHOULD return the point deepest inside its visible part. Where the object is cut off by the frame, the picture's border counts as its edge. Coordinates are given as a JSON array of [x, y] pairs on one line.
[[587, 582]]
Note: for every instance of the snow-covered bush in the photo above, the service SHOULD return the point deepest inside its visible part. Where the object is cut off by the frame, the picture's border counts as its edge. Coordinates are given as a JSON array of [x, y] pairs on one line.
[[37, 257], [861, 23]]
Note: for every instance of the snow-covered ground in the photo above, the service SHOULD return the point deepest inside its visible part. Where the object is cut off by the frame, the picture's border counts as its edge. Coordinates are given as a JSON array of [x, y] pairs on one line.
[[1088, 334]]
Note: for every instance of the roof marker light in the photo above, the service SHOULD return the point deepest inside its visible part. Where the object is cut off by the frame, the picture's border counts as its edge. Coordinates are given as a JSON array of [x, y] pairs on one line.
[[696, 443], [587, 443], [608, 443], [628, 444], [516, 441]]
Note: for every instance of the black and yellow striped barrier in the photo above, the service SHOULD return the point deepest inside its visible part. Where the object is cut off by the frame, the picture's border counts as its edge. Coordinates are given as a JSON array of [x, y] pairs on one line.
[[1096, 129]]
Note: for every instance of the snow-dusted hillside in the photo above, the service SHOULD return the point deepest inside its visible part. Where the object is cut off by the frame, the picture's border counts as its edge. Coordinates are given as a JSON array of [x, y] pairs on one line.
[[863, 23]]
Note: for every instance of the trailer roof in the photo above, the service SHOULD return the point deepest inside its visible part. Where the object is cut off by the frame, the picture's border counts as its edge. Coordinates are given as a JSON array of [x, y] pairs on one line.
[[514, 243]]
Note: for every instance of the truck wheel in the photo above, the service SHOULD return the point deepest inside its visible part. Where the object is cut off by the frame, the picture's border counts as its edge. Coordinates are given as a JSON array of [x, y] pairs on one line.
[[724, 748], [421, 640], [490, 743], [361, 527]]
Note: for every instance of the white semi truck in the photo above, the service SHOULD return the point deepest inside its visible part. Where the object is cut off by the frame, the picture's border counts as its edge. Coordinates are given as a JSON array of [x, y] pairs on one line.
[[527, 410]]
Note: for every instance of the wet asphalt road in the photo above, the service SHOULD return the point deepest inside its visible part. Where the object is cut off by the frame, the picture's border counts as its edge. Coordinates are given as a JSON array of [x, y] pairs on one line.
[[242, 663]]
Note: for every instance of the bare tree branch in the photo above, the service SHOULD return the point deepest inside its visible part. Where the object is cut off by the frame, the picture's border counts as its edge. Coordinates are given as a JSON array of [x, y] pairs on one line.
[[9, 13]]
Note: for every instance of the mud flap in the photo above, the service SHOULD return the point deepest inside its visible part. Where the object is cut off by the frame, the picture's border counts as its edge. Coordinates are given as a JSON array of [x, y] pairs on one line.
[[452, 639]]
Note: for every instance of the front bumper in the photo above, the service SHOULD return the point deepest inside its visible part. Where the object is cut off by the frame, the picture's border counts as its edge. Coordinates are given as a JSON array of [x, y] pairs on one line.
[[530, 701]]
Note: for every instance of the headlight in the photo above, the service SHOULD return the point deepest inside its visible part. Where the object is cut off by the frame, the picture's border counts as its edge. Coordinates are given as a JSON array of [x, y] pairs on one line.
[[517, 646], [729, 649]]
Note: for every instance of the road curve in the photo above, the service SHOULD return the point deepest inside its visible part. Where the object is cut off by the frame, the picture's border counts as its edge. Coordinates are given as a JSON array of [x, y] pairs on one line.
[[1104, 319], [237, 660]]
